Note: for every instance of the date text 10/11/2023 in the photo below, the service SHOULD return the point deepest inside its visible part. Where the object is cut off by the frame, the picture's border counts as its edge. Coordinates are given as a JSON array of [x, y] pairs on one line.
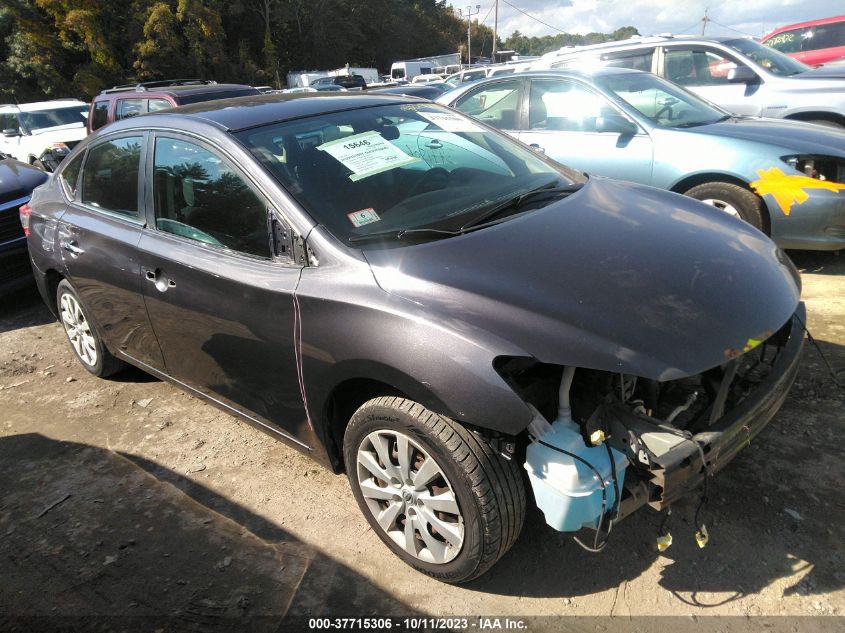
[[419, 624]]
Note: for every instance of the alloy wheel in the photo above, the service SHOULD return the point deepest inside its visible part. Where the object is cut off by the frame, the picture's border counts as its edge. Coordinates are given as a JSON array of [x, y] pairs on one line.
[[410, 496], [78, 330], [723, 206]]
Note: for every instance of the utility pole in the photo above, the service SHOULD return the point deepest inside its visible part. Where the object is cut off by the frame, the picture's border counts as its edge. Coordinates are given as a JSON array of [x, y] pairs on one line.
[[704, 20], [495, 27], [469, 15]]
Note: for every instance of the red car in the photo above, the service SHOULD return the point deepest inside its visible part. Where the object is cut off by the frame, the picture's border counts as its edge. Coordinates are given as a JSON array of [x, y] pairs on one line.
[[815, 42]]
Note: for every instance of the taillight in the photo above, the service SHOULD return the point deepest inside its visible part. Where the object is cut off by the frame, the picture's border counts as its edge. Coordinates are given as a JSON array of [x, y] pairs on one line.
[[25, 212]]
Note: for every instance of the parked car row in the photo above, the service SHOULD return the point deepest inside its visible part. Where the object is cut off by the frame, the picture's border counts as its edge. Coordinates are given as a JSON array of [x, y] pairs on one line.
[[428, 299]]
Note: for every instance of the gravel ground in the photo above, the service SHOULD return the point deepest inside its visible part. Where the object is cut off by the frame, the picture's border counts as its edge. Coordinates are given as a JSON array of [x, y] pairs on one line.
[[128, 496]]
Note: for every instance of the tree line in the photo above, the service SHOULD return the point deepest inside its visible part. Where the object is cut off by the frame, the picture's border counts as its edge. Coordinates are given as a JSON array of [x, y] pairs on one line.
[[61, 48]]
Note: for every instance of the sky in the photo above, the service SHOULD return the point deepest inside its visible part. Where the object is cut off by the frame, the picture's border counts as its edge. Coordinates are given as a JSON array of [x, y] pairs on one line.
[[650, 17]]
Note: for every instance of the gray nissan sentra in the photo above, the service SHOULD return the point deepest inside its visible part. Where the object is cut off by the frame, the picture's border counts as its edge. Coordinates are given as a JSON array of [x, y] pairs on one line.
[[416, 299]]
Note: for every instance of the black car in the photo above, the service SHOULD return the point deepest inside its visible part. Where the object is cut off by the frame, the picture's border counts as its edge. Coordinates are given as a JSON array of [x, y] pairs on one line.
[[410, 296], [17, 180]]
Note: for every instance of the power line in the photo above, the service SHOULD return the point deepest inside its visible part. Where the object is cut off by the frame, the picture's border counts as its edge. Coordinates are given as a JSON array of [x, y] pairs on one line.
[[534, 17], [730, 28]]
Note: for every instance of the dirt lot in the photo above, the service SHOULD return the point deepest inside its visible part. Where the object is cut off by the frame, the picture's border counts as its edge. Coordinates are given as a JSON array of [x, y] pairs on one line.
[[128, 497]]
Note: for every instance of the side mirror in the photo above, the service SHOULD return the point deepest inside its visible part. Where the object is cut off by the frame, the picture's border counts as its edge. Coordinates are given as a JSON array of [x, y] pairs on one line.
[[741, 75], [11, 132], [616, 124]]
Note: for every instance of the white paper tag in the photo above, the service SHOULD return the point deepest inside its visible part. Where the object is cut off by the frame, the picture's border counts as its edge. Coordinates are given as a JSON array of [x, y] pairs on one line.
[[363, 216], [451, 122], [366, 154]]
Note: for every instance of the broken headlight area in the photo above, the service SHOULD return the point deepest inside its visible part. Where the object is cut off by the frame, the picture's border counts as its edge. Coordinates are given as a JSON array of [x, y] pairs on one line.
[[820, 167], [603, 444]]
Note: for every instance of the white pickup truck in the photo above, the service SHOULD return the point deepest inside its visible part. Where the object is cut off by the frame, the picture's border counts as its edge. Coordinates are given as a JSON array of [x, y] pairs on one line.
[[42, 133]]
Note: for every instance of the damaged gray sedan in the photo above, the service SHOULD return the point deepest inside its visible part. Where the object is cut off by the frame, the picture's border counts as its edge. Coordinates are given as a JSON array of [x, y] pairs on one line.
[[415, 299]]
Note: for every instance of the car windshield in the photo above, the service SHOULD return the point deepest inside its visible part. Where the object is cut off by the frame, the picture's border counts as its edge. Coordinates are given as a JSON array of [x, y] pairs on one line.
[[51, 118], [661, 101], [774, 61], [392, 169]]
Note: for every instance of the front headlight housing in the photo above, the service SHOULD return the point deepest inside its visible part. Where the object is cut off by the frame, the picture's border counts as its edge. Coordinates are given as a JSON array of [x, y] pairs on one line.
[[816, 166]]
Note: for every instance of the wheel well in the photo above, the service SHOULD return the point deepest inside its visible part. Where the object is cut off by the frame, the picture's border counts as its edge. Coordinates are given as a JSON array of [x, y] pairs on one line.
[[689, 182], [52, 280], [838, 119], [346, 398]]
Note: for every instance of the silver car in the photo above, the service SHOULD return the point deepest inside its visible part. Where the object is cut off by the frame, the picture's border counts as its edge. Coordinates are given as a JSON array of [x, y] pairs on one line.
[[739, 74], [783, 177]]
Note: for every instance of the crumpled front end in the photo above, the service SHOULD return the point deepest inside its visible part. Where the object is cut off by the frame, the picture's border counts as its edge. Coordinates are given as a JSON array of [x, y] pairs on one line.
[[672, 433]]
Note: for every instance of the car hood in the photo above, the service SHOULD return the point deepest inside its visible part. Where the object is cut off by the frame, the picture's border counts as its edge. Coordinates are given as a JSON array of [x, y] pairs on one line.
[[823, 72], [18, 179], [618, 277], [795, 135], [67, 132]]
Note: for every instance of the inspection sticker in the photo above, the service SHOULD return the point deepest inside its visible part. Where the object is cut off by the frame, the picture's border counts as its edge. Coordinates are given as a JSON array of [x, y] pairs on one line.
[[451, 122], [366, 154], [363, 216]]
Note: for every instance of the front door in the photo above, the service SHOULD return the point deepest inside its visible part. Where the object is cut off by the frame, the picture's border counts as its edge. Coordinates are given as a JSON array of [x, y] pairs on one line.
[[222, 306], [564, 120]]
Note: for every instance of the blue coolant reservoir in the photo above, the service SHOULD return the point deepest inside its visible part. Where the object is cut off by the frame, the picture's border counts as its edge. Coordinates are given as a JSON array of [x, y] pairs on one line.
[[566, 490]]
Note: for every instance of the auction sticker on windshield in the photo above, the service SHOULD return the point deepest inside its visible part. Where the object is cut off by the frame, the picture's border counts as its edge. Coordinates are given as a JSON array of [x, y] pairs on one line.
[[451, 122], [363, 216], [366, 154]]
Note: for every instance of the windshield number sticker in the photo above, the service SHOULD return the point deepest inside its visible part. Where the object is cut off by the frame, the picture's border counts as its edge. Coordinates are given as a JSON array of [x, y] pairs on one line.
[[449, 122], [362, 217], [366, 154]]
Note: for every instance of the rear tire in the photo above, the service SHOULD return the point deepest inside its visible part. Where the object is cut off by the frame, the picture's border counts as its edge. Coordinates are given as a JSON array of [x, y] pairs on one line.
[[471, 491], [732, 199], [82, 335]]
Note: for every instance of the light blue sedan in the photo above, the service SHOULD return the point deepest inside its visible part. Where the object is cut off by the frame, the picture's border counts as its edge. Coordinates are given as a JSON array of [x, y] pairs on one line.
[[784, 177]]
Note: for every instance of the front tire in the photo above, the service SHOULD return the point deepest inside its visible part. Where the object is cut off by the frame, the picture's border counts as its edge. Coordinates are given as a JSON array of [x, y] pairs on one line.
[[731, 199], [82, 335], [436, 494]]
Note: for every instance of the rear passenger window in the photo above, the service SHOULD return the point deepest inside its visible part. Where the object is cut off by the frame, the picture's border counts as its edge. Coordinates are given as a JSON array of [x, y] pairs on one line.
[[101, 115], [198, 196], [110, 177], [638, 60], [494, 104], [130, 107], [70, 176], [159, 104]]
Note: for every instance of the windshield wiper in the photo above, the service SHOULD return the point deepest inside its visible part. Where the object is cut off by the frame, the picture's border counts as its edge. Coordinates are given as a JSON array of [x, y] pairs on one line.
[[401, 234], [700, 123], [517, 201]]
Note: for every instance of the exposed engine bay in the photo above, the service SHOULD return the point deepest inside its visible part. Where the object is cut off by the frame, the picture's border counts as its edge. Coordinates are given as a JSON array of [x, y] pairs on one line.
[[673, 434]]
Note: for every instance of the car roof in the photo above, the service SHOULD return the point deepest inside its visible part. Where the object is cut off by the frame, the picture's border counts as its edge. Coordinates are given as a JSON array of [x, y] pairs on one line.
[[37, 106], [241, 113], [637, 42], [175, 91], [798, 25]]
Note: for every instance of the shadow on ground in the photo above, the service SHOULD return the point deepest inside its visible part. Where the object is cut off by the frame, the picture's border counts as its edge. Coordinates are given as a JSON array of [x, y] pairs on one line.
[[105, 534], [23, 308], [819, 262]]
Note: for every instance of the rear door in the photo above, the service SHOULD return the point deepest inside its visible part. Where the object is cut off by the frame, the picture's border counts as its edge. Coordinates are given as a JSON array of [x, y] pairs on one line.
[[99, 235], [704, 70], [220, 301], [564, 118]]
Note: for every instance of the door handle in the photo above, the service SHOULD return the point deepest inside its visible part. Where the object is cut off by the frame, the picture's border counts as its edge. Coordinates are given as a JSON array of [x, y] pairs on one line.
[[72, 248], [157, 276], [537, 148]]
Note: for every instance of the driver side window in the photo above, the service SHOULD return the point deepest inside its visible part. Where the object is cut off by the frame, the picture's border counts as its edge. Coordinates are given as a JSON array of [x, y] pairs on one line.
[[198, 196], [566, 106]]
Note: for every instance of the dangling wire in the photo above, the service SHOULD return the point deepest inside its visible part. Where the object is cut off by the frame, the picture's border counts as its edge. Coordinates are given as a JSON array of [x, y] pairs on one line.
[[834, 373]]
